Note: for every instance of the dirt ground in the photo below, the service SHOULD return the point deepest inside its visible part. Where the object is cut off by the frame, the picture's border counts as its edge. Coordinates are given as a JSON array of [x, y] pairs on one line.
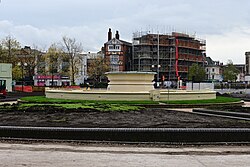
[[146, 118]]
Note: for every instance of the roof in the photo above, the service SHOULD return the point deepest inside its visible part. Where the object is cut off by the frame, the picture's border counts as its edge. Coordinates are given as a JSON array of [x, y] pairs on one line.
[[126, 43], [118, 41]]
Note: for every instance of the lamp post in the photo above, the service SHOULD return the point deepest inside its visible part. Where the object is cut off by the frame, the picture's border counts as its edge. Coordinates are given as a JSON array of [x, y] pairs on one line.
[[157, 66], [84, 68], [170, 63], [158, 59], [52, 74], [139, 63], [22, 65], [169, 71]]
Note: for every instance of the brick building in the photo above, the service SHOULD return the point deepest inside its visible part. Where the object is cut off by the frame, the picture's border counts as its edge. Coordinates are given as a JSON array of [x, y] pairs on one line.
[[118, 53], [169, 55]]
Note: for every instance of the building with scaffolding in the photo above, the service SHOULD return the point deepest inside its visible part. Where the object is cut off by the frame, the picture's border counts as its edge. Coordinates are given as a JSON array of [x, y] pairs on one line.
[[170, 55]]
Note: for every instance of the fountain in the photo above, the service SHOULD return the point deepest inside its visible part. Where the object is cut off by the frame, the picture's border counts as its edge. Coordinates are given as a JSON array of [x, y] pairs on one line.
[[130, 81], [130, 85]]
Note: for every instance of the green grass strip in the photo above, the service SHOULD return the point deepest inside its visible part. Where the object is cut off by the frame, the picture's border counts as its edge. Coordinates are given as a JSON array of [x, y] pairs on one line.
[[99, 107], [43, 99], [219, 99]]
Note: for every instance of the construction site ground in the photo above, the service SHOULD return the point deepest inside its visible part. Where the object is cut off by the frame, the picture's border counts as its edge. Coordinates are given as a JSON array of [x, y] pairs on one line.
[[146, 118]]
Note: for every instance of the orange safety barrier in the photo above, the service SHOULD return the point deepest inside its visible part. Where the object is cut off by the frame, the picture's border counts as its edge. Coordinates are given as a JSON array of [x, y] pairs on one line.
[[21, 88], [183, 87], [73, 87]]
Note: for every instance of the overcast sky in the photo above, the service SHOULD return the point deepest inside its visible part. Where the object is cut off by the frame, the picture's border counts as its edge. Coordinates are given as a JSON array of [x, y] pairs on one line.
[[224, 24]]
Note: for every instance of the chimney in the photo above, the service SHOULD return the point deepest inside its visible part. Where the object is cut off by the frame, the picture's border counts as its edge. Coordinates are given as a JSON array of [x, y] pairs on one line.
[[109, 34], [117, 36]]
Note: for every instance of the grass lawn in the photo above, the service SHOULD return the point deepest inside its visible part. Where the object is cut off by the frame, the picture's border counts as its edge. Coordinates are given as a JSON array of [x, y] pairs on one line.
[[43, 99], [219, 99], [83, 104], [88, 106], [43, 102]]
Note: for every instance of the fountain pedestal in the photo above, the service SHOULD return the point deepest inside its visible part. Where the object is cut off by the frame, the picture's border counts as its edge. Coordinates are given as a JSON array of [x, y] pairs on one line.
[[130, 86], [130, 81]]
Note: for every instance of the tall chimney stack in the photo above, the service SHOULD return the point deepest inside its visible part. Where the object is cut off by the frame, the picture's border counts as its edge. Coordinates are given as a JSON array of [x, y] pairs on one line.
[[117, 36], [109, 34]]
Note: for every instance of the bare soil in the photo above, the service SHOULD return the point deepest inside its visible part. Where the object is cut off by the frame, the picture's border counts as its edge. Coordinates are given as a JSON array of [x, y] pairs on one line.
[[146, 118], [83, 118]]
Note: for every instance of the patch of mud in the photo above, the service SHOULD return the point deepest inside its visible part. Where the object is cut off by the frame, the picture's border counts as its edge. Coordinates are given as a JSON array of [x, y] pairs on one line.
[[146, 118]]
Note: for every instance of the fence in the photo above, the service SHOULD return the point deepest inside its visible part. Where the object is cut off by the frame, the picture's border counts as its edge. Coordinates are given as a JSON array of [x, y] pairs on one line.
[[200, 86]]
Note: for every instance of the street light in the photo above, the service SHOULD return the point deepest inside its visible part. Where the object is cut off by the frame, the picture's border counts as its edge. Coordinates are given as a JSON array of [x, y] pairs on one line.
[[139, 63], [171, 55], [22, 65], [158, 59], [157, 66]]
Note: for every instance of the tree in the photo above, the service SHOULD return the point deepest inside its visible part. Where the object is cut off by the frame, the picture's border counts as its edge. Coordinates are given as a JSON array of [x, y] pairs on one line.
[[72, 50], [9, 47], [17, 73], [230, 72], [97, 69], [196, 73], [53, 60], [27, 59]]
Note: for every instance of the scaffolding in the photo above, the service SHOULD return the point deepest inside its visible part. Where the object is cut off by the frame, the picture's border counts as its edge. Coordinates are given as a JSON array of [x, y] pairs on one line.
[[170, 55]]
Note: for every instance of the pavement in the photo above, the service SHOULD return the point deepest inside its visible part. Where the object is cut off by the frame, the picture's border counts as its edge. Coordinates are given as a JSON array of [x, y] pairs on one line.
[[246, 104], [8, 102], [182, 109], [245, 91], [63, 155]]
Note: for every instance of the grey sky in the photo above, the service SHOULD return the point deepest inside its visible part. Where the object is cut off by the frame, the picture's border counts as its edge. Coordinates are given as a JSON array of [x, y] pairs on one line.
[[224, 24]]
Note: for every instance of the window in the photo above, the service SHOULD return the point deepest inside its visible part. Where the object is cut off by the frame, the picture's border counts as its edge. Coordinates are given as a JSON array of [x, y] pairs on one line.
[[117, 47], [114, 47], [114, 59], [111, 47], [212, 69]]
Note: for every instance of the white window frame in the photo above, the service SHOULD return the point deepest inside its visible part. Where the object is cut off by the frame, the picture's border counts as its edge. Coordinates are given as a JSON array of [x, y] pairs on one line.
[[110, 47], [117, 47]]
